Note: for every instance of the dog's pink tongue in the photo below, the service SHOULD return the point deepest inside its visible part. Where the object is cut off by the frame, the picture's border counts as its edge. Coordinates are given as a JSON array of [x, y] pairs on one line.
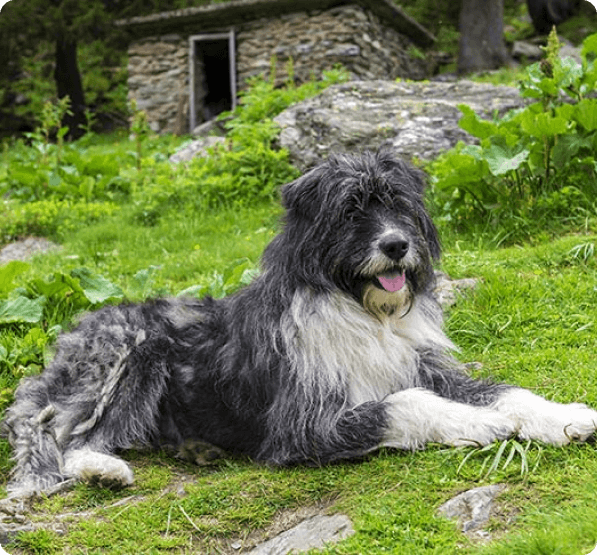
[[392, 282]]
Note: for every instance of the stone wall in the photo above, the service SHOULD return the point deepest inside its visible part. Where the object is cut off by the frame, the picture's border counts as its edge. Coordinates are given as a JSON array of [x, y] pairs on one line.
[[316, 41], [158, 78]]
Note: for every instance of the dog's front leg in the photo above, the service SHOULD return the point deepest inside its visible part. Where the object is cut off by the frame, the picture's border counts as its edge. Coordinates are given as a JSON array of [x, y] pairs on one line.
[[547, 421], [419, 416]]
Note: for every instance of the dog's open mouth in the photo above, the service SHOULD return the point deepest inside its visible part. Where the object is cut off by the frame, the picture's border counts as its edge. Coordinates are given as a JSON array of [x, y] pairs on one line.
[[391, 281]]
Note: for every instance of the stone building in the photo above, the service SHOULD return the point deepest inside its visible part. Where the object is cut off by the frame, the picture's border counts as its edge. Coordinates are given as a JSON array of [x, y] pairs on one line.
[[186, 66]]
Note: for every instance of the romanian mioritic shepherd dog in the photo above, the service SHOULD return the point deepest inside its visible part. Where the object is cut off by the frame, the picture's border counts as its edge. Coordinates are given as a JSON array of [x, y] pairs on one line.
[[335, 350]]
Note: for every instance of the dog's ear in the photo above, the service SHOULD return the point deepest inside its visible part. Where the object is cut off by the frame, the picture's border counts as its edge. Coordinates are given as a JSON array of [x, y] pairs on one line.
[[302, 196], [429, 231]]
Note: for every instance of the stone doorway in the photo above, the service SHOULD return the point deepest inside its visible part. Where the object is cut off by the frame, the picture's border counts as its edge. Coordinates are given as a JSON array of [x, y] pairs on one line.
[[212, 76]]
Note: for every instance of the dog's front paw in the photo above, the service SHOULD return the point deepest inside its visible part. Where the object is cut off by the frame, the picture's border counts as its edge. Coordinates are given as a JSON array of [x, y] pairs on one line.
[[547, 421], [483, 427], [563, 424]]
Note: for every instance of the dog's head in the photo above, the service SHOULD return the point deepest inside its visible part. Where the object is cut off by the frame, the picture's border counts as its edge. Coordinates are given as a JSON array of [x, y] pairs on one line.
[[358, 223]]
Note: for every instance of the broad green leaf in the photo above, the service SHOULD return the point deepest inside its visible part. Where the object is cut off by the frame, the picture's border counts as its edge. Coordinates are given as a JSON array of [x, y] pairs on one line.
[[86, 186], [142, 281], [9, 272], [194, 291], [568, 73], [543, 125], [567, 147], [589, 45], [586, 113], [22, 310], [476, 126], [54, 180], [61, 285], [97, 289], [502, 160]]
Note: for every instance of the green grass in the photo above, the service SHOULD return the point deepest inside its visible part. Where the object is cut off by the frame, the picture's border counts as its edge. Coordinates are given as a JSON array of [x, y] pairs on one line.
[[182, 251], [530, 322]]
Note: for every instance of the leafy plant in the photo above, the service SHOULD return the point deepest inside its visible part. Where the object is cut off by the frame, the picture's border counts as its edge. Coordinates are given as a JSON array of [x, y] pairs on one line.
[[51, 118], [140, 129], [237, 275], [50, 218], [533, 164], [34, 310]]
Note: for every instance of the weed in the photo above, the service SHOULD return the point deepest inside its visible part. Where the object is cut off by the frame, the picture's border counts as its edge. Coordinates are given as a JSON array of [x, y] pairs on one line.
[[494, 460]]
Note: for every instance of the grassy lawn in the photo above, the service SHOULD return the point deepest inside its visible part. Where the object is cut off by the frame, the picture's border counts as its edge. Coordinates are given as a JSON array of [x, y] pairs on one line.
[[530, 322]]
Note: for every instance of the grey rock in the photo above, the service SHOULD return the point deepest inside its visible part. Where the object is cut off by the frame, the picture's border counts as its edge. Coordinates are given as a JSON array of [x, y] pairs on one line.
[[208, 128], [26, 249], [526, 50], [448, 290], [415, 119], [568, 50], [196, 148], [313, 533], [472, 508]]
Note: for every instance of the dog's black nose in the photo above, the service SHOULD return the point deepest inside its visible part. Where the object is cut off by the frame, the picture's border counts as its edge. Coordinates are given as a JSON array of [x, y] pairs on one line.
[[394, 247]]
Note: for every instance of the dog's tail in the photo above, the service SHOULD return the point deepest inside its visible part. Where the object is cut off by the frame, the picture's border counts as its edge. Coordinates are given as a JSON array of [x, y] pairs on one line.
[[39, 462]]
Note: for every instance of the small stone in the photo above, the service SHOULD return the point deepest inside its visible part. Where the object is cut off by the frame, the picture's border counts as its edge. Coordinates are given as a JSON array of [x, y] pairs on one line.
[[472, 508], [26, 249], [313, 533], [526, 50]]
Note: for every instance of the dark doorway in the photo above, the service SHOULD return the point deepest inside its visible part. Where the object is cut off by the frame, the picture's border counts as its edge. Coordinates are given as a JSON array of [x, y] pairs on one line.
[[213, 81]]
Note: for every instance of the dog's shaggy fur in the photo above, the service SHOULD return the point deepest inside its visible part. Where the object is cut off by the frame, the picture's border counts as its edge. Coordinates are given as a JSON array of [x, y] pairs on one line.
[[335, 350]]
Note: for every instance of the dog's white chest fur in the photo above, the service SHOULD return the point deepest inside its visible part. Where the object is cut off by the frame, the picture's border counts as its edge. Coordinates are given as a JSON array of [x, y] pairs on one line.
[[335, 341]]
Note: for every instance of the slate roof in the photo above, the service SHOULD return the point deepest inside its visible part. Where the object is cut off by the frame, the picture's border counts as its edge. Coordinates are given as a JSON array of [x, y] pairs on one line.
[[237, 12]]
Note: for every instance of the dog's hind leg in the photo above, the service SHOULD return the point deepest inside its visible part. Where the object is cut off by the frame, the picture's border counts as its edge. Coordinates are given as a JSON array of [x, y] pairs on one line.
[[37, 454], [100, 394]]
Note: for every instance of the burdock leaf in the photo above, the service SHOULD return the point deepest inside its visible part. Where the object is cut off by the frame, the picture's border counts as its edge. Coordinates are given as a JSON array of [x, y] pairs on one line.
[[97, 289], [502, 160], [22, 310]]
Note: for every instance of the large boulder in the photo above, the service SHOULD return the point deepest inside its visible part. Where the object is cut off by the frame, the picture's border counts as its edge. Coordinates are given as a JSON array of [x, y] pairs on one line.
[[416, 119]]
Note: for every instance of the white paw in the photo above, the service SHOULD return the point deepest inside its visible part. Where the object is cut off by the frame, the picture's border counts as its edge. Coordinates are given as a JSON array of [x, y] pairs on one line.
[[564, 423], [548, 421], [98, 468]]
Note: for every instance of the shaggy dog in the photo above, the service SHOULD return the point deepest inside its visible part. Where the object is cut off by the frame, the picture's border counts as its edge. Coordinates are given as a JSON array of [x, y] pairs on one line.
[[336, 350]]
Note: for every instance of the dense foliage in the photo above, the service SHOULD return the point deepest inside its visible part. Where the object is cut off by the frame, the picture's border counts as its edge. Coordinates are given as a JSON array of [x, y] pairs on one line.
[[535, 165], [52, 185]]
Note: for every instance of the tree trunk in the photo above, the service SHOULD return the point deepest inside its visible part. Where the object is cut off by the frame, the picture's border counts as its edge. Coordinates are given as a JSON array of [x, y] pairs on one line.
[[68, 82], [481, 36]]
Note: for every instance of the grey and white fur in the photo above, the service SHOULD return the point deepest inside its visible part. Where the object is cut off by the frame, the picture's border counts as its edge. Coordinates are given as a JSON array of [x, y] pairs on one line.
[[335, 350]]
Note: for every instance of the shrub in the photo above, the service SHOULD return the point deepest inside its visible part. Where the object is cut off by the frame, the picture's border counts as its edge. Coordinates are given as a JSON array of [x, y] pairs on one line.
[[533, 164], [49, 217]]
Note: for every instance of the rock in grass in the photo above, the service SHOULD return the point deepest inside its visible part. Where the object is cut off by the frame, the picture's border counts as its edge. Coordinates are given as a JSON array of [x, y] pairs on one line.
[[414, 119], [312, 533], [472, 508]]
